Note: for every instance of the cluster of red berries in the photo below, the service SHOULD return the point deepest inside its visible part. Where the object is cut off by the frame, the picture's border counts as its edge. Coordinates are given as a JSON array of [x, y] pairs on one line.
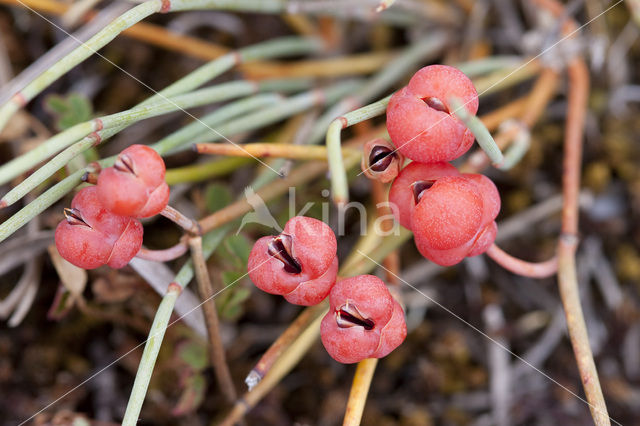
[[364, 320], [452, 215], [102, 226]]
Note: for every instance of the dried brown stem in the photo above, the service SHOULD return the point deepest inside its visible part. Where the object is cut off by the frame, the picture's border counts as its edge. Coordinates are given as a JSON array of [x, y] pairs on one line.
[[294, 152], [211, 318], [283, 343]]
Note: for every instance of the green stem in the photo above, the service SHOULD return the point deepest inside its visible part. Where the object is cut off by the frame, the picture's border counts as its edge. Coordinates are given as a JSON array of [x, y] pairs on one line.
[[177, 139], [287, 108], [150, 354], [382, 81], [108, 33], [204, 171], [123, 119], [284, 46], [152, 346], [479, 130], [339, 186]]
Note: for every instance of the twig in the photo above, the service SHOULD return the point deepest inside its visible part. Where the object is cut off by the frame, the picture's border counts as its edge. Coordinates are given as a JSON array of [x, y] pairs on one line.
[[296, 152], [205, 289], [280, 368], [544, 269], [282, 343], [359, 390]]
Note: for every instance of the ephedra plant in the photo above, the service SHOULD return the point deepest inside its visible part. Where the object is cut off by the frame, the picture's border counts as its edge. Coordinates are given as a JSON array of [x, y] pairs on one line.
[[412, 124]]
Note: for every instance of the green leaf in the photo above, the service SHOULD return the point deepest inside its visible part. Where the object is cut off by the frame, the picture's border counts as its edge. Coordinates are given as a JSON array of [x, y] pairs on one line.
[[70, 110], [194, 355], [239, 246], [216, 196]]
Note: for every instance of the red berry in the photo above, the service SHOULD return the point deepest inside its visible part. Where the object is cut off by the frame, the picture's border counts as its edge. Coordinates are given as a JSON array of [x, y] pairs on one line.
[[420, 120], [299, 264], [455, 218], [135, 185], [401, 194], [364, 321], [92, 236], [448, 214]]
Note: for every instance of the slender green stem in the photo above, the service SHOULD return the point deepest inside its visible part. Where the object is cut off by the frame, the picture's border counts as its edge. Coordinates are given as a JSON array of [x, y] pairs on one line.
[[479, 130], [159, 326], [519, 146], [280, 47], [287, 108], [122, 120], [339, 186], [108, 33], [274, 48], [150, 354], [204, 171], [382, 81]]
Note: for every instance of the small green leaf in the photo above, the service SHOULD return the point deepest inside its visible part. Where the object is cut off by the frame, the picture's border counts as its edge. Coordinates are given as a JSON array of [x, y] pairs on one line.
[[70, 110], [194, 355], [239, 246], [216, 196], [192, 395]]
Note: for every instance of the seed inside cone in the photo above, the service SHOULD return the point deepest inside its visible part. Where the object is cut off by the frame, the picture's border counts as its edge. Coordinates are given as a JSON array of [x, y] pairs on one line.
[[419, 187], [281, 248], [349, 316], [436, 104], [125, 164], [380, 158], [74, 217]]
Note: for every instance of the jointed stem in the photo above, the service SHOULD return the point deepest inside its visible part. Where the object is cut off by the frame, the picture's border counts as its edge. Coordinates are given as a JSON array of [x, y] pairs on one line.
[[205, 289]]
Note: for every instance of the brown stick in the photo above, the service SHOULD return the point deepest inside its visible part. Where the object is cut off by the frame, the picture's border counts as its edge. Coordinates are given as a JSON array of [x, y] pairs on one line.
[[283, 342], [205, 289], [521, 267], [294, 152]]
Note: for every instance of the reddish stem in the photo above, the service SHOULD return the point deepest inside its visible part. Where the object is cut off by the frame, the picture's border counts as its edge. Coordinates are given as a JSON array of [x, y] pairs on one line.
[[164, 255], [522, 267]]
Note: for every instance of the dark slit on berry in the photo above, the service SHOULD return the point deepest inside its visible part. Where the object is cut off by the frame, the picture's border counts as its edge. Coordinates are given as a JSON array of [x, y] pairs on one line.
[[435, 103], [74, 217], [124, 164], [280, 248], [380, 158], [419, 187], [349, 316]]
